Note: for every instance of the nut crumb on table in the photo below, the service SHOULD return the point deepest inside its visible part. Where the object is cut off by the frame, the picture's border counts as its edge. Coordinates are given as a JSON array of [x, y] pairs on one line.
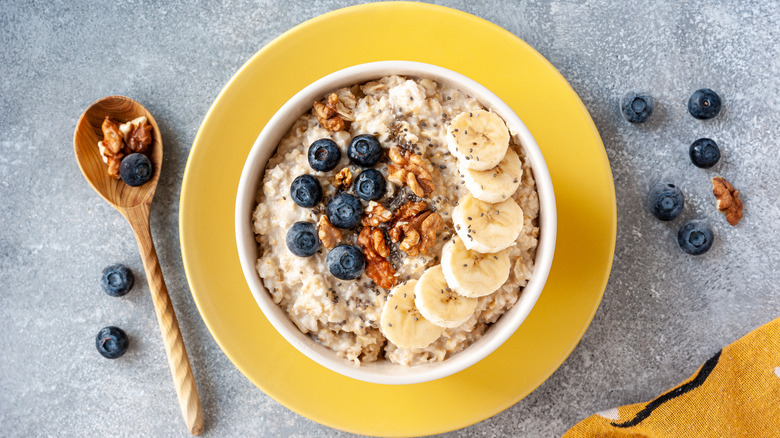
[[727, 200]]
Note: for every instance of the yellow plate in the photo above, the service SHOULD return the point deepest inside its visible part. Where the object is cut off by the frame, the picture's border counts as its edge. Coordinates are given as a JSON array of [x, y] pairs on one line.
[[525, 81]]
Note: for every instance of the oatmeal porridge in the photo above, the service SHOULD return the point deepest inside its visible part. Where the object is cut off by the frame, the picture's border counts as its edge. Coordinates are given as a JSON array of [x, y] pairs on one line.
[[397, 221]]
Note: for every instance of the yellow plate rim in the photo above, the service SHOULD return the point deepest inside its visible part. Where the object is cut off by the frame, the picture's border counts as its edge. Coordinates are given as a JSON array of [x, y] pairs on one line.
[[184, 206]]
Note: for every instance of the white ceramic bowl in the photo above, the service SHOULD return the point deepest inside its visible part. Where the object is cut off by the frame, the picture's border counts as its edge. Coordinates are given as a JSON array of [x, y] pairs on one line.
[[251, 178]]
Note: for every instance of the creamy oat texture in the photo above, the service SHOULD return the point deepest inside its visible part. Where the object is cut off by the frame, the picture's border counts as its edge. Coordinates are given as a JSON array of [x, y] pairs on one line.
[[344, 315]]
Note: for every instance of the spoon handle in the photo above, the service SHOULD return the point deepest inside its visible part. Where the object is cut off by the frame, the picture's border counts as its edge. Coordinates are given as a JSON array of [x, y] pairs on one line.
[[178, 361]]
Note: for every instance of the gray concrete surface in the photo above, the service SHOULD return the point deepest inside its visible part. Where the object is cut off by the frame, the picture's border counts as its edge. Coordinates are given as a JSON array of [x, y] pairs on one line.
[[663, 312]]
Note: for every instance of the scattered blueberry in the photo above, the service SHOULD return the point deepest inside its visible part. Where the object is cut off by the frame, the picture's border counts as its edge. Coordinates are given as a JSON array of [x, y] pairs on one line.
[[364, 150], [665, 201], [370, 185], [344, 210], [704, 104], [135, 169], [637, 107], [324, 155], [117, 280], [111, 342], [695, 237], [704, 153], [306, 191], [346, 262], [302, 239]]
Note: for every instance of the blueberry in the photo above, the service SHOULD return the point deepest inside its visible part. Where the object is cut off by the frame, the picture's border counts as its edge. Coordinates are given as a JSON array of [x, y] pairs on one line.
[[302, 239], [111, 342], [370, 185], [306, 191], [135, 169], [695, 237], [637, 107], [364, 150], [324, 155], [704, 153], [346, 262], [704, 104], [665, 201], [116, 280], [344, 210]]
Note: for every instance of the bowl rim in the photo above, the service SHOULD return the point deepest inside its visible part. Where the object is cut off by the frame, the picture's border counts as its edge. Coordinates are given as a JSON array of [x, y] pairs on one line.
[[251, 178]]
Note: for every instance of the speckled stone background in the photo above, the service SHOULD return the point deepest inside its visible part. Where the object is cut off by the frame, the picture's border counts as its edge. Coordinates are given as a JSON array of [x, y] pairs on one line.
[[663, 313]]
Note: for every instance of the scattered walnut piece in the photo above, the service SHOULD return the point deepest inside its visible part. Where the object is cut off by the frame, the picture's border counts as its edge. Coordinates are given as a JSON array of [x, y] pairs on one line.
[[343, 111], [327, 113], [111, 146], [727, 200], [328, 234], [112, 137], [378, 242], [411, 181], [113, 165], [430, 228], [343, 179], [411, 170], [378, 269], [416, 228], [382, 273], [397, 157], [139, 137], [396, 174], [405, 213], [411, 239], [375, 214]]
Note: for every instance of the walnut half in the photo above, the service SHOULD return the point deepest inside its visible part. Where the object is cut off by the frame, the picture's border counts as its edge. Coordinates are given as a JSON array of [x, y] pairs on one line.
[[329, 235], [372, 241], [727, 200], [375, 214], [327, 113], [416, 228], [139, 135], [343, 179], [411, 170], [111, 146]]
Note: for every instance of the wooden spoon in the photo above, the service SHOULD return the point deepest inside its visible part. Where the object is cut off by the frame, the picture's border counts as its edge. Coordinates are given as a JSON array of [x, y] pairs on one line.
[[134, 203]]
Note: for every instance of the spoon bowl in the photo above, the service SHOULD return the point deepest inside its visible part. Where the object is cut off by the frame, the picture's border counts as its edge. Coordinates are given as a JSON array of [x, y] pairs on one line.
[[135, 204], [89, 133]]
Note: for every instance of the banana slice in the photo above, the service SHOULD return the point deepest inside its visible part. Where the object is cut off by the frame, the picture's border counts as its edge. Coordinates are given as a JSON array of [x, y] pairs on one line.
[[487, 228], [496, 184], [438, 303], [470, 273], [478, 139], [401, 322]]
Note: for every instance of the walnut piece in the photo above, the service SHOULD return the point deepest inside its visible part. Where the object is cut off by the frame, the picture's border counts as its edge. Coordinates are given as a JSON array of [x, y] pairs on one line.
[[411, 170], [112, 137], [328, 115], [396, 174], [375, 214], [727, 200], [343, 179], [416, 228], [372, 242], [139, 137], [378, 242], [111, 146], [113, 165], [328, 234], [430, 228], [411, 239]]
